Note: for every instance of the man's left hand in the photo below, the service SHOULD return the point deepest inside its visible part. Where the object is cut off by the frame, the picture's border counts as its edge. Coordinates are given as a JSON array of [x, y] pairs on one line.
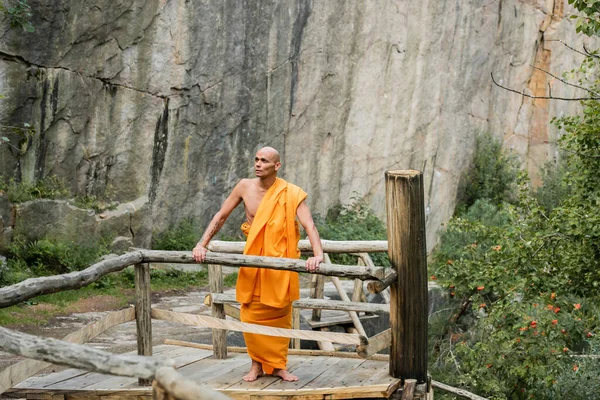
[[312, 264]]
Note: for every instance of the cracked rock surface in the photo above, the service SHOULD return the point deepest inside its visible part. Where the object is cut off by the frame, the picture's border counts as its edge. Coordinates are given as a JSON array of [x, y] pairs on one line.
[[169, 99]]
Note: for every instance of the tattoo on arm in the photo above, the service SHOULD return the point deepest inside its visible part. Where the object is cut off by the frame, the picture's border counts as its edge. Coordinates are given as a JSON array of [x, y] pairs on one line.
[[211, 231]]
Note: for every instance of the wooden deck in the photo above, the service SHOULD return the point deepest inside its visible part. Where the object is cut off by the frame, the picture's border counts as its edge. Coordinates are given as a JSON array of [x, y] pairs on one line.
[[321, 377]]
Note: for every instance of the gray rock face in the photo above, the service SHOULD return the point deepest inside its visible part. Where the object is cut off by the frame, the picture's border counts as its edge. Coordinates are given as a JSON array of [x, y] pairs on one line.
[[170, 99]]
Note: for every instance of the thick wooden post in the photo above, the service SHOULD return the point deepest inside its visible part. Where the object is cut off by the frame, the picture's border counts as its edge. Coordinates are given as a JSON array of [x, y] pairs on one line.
[[219, 336], [143, 318], [408, 255]]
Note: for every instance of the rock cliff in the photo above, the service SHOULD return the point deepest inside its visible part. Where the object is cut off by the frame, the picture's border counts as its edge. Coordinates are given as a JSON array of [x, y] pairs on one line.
[[167, 100]]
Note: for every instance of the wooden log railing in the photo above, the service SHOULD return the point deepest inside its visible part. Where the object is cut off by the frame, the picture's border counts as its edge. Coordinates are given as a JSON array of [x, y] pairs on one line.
[[329, 246], [84, 357], [321, 304]]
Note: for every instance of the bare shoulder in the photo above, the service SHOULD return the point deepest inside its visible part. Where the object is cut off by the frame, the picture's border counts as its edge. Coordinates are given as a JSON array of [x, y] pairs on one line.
[[244, 185]]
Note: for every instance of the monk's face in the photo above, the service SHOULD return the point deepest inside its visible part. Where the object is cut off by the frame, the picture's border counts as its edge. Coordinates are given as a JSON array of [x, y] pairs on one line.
[[266, 163]]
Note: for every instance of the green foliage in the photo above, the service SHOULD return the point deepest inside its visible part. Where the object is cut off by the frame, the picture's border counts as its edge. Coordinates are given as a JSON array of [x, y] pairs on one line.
[[524, 277], [492, 175], [355, 221], [230, 280], [19, 14], [589, 23], [182, 236], [49, 187], [555, 188], [49, 256]]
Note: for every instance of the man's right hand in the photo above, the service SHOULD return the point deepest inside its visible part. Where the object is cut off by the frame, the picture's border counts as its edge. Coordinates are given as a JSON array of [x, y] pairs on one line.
[[199, 253]]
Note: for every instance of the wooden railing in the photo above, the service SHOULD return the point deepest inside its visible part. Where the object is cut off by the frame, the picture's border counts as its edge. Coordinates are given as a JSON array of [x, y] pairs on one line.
[[407, 280]]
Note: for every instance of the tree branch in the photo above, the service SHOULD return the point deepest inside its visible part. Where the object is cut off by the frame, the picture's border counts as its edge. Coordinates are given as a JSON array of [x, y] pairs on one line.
[[564, 81], [587, 53], [542, 97]]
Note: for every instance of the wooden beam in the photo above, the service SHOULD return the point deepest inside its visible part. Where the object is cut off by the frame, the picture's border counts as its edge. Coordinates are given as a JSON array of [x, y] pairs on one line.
[[294, 352], [381, 341], [329, 246], [182, 388], [33, 287], [219, 336], [143, 320], [209, 322], [321, 304], [379, 286], [457, 391], [231, 311], [408, 256], [286, 264], [344, 296], [16, 373], [79, 356]]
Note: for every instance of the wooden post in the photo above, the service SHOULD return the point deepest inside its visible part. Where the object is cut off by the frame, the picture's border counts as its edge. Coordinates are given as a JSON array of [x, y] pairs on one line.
[[408, 255], [219, 336], [296, 325], [143, 317]]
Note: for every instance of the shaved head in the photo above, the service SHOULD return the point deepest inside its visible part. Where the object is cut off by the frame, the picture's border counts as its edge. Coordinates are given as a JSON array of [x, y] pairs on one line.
[[272, 153]]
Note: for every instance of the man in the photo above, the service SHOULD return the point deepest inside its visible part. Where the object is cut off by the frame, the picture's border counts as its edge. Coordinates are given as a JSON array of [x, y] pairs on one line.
[[266, 295]]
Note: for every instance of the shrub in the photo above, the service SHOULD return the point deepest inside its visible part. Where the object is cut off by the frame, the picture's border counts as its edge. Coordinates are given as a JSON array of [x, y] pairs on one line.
[[182, 236], [49, 256], [354, 221], [49, 187], [492, 175]]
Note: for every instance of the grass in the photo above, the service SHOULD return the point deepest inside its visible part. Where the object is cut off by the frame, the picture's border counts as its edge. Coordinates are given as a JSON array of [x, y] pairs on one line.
[[110, 293]]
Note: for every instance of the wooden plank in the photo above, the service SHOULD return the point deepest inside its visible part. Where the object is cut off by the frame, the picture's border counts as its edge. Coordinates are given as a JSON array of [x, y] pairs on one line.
[[360, 374], [233, 376], [335, 374], [201, 320], [14, 374], [329, 246], [206, 369], [143, 319], [277, 263], [182, 388], [408, 256], [265, 381], [219, 336], [307, 371], [180, 356]]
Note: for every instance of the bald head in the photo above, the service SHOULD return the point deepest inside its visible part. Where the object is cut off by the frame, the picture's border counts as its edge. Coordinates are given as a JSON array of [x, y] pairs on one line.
[[270, 152], [266, 163]]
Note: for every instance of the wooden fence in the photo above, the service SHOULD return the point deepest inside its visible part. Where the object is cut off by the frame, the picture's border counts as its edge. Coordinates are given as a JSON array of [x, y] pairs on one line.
[[407, 280]]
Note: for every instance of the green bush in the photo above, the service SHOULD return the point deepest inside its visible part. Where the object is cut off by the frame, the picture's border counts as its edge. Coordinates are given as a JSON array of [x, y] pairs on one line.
[[49, 187], [354, 221], [492, 175], [555, 188], [49, 256], [182, 236]]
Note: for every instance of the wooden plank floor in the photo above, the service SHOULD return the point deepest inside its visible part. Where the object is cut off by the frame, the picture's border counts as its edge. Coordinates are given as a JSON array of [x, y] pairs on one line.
[[321, 377]]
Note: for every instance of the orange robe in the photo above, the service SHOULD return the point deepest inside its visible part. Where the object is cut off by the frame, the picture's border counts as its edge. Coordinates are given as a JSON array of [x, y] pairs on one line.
[[266, 295]]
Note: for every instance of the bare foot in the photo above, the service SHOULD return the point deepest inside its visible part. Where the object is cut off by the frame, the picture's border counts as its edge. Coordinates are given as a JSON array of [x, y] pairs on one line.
[[256, 372], [285, 375]]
